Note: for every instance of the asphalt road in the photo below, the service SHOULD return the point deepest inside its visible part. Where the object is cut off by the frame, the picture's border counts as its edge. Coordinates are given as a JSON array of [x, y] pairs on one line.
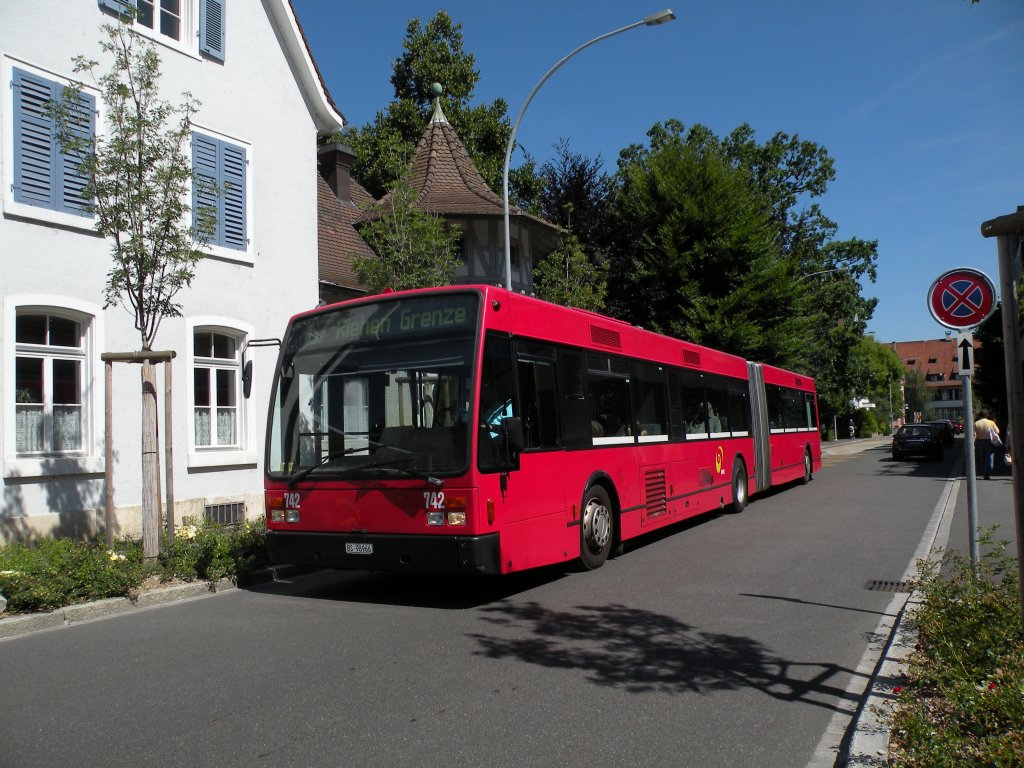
[[733, 640]]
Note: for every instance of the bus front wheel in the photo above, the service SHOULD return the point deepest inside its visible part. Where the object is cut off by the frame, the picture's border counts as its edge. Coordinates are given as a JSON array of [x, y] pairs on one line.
[[597, 527]]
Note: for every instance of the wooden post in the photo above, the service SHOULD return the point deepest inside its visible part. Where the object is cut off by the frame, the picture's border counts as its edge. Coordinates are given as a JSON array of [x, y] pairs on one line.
[[169, 451], [108, 450], [150, 462], [150, 467]]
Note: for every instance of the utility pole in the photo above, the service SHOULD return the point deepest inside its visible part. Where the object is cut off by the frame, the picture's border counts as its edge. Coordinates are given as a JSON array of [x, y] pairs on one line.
[[1009, 231]]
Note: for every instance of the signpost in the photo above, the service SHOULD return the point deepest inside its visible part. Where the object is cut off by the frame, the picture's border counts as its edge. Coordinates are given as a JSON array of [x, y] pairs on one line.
[[962, 299]]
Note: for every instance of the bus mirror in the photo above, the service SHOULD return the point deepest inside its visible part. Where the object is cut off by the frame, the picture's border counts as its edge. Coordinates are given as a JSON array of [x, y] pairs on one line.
[[247, 379], [512, 426]]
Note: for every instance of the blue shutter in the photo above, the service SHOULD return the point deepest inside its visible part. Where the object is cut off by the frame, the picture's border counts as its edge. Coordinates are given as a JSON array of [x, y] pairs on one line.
[[233, 196], [204, 180], [219, 183], [35, 141], [120, 7], [211, 28], [72, 179], [43, 175]]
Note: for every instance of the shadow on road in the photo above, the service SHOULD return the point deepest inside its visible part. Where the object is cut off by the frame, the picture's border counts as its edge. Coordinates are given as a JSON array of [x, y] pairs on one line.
[[423, 590], [641, 651]]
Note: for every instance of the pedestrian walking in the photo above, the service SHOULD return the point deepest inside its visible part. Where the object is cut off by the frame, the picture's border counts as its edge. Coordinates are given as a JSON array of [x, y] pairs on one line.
[[986, 441]]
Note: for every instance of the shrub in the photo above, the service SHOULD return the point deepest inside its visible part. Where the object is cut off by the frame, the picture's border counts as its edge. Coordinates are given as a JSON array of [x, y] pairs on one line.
[[209, 551], [964, 699], [59, 572]]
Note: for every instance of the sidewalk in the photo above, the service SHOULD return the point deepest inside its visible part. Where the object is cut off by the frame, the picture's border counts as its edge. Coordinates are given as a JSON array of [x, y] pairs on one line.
[[949, 530]]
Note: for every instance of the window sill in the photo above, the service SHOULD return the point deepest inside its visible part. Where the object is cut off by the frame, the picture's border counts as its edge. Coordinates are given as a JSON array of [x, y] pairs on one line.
[[235, 458], [37, 214], [52, 466], [220, 253]]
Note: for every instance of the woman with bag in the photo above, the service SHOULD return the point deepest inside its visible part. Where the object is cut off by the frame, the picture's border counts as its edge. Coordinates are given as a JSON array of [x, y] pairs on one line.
[[986, 440]]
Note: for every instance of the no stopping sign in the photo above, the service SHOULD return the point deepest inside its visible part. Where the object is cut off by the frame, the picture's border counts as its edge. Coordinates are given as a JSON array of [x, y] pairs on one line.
[[962, 298]]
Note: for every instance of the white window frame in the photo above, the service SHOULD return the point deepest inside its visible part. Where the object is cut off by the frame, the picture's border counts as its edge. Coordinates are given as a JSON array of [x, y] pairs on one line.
[[188, 40], [244, 452], [11, 206], [217, 251], [89, 459]]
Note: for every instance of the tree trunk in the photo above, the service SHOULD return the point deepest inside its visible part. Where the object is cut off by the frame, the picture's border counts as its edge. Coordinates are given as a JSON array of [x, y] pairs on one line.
[[150, 466]]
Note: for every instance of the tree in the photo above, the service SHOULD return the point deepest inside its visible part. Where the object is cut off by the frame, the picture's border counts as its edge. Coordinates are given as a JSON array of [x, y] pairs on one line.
[[576, 195], [567, 277], [433, 52], [413, 248], [989, 384], [140, 178], [879, 375], [916, 396], [694, 250]]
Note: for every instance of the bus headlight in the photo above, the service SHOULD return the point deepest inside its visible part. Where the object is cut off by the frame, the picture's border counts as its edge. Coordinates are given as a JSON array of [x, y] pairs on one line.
[[291, 515], [435, 518], [457, 518]]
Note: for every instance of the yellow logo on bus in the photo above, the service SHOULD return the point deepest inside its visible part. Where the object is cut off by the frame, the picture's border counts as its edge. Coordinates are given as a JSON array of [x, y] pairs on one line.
[[719, 460]]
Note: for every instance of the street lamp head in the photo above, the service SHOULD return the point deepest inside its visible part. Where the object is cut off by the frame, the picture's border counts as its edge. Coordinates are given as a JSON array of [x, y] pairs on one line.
[[661, 17]]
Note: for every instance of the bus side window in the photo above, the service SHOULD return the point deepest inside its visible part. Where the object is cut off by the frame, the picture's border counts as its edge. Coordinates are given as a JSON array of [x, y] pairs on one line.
[[739, 408], [649, 388], [497, 393], [538, 396], [608, 393], [694, 409], [576, 426], [717, 393], [776, 407], [811, 411]]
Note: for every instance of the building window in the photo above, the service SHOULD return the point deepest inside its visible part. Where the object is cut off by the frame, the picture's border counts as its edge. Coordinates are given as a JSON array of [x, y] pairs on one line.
[[50, 375], [43, 175], [161, 16], [219, 186], [216, 380], [177, 23]]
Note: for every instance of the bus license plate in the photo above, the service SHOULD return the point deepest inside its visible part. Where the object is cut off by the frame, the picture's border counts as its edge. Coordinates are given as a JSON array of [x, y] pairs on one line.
[[358, 548]]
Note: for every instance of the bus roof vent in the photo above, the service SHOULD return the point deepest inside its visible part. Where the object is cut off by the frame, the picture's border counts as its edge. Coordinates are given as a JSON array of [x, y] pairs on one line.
[[605, 337], [690, 357]]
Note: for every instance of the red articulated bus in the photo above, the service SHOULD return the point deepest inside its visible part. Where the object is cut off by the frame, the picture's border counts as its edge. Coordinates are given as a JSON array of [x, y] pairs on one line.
[[472, 429]]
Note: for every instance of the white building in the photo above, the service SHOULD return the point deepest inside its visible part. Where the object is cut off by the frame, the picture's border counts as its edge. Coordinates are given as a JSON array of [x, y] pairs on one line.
[[263, 105]]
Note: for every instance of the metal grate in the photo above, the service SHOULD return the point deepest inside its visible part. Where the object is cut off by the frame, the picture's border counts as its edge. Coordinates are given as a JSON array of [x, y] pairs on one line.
[[226, 514], [605, 336], [881, 585], [655, 487], [691, 358]]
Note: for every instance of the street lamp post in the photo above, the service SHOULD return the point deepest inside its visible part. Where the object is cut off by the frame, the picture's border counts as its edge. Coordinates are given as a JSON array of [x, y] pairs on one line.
[[661, 17]]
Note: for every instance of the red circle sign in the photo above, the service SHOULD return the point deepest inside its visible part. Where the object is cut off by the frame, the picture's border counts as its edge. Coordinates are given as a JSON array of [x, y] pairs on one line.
[[962, 298]]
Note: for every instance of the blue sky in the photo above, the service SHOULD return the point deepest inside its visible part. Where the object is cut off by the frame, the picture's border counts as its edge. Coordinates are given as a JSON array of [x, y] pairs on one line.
[[920, 102]]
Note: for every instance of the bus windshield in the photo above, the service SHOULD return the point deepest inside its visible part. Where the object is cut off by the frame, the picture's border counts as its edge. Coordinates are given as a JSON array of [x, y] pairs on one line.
[[376, 390]]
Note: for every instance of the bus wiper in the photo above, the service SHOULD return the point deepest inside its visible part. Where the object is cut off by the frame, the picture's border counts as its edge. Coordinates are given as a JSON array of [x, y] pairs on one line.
[[397, 464], [302, 473]]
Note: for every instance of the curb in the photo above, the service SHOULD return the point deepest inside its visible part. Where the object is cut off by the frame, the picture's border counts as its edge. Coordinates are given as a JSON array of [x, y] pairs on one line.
[[25, 624]]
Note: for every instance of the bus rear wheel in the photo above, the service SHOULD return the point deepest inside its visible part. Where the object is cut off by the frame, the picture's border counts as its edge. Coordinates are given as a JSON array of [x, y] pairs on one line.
[[739, 486], [597, 528]]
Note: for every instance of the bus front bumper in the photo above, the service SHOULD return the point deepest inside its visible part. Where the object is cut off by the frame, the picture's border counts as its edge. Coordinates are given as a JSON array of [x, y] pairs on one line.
[[386, 552]]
